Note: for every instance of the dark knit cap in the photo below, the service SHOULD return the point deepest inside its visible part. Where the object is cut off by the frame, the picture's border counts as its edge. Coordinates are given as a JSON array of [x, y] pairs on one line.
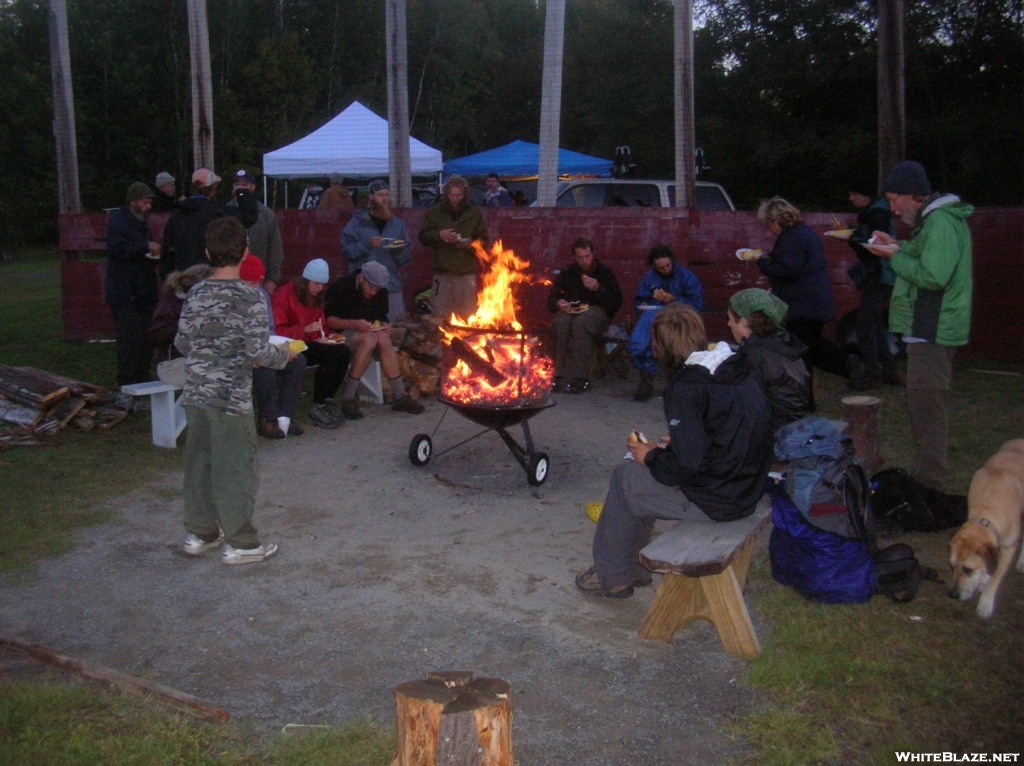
[[907, 177], [137, 191]]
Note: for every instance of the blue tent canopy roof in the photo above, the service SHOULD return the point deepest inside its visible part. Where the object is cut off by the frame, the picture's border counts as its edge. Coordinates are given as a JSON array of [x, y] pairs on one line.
[[520, 158]]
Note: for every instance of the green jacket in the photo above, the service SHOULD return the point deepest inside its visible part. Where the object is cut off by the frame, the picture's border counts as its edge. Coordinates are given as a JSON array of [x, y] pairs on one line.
[[932, 295], [449, 259]]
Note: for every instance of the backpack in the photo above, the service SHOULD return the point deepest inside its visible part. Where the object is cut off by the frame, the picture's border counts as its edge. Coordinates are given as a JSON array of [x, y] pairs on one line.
[[899, 503], [823, 542]]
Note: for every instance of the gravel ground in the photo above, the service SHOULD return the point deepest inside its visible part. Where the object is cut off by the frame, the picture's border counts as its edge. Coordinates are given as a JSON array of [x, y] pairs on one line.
[[387, 571]]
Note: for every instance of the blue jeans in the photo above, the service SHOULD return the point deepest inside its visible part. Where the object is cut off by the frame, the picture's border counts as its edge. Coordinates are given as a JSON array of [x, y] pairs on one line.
[[639, 346]]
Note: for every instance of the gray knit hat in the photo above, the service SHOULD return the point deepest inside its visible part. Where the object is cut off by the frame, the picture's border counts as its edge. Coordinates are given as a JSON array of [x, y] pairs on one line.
[[907, 177], [164, 178]]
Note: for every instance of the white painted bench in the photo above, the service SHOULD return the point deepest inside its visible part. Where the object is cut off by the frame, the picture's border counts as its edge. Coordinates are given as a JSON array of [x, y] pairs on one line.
[[168, 417], [705, 564], [371, 381]]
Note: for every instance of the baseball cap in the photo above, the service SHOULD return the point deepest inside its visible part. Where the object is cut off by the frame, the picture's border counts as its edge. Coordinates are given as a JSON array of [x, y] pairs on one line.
[[205, 176], [252, 269], [376, 274], [246, 176]]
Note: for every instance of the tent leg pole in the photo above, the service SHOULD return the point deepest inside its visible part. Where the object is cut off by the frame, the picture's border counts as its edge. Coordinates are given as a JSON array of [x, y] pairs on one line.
[[286, 194], [264, 189]]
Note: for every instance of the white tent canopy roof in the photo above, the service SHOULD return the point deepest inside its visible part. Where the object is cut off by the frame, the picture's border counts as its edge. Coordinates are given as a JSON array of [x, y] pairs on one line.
[[355, 144]]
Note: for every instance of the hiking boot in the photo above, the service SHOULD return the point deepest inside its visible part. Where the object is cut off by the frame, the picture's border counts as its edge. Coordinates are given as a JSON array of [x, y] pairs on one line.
[[557, 385], [349, 409], [641, 576], [589, 582], [231, 555], [407, 404], [578, 386], [645, 390], [196, 546], [323, 416], [269, 429], [294, 429]]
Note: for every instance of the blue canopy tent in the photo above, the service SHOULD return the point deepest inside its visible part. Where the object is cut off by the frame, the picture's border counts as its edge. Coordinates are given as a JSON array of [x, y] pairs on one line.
[[520, 158]]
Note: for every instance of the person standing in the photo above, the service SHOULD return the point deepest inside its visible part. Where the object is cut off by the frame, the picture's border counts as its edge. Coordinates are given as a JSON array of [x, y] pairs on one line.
[[496, 194], [583, 299], [131, 284], [223, 333], [874, 279], [452, 228], [184, 241], [376, 234], [336, 197], [264, 234], [666, 282], [166, 193], [930, 307]]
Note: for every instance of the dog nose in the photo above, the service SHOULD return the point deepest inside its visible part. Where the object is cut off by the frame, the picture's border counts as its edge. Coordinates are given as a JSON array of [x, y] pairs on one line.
[[953, 593]]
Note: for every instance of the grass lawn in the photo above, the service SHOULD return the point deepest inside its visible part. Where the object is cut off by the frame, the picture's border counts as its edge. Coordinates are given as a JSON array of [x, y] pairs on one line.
[[846, 684]]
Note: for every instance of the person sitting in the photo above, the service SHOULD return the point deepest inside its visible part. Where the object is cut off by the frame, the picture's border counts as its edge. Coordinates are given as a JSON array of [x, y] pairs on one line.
[[358, 306], [713, 464], [772, 354], [666, 282], [269, 406], [299, 314], [583, 299], [171, 367]]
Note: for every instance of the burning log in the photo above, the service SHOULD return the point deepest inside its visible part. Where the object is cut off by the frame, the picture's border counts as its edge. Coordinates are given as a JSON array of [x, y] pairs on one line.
[[476, 363]]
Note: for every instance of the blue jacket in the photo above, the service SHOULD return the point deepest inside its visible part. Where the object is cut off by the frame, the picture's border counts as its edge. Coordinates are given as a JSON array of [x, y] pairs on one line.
[[682, 283], [355, 246], [798, 274], [131, 276]]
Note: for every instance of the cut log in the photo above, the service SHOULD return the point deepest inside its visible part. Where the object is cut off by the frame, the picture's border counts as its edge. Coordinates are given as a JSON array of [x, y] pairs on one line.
[[22, 387], [186, 703], [863, 413], [78, 388], [19, 413], [454, 719], [67, 410]]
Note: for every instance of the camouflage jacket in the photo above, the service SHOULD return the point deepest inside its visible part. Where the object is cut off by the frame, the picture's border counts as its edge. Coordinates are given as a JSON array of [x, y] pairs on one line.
[[223, 332]]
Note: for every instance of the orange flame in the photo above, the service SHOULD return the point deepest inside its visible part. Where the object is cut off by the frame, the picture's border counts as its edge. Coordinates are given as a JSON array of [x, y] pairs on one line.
[[527, 374]]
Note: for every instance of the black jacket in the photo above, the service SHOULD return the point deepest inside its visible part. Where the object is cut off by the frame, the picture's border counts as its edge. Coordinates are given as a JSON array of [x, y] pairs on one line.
[[345, 301], [569, 285], [775, 360], [131, 277], [184, 242], [721, 439]]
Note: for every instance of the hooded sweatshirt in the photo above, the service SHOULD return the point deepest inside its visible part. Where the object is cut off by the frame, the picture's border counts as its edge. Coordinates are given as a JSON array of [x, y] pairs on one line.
[[721, 439], [931, 299]]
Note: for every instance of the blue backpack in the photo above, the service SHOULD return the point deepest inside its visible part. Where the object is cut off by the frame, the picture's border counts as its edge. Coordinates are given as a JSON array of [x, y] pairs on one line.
[[822, 543]]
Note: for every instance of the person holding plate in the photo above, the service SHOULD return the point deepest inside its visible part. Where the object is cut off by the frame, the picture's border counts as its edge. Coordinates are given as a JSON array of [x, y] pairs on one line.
[[666, 282], [374, 233]]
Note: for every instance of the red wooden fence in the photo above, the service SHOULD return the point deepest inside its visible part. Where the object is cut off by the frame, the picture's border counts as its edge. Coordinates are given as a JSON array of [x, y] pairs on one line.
[[705, 242]]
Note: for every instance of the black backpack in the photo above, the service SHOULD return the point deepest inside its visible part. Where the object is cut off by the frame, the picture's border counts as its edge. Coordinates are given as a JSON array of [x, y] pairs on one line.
[[900, 503]]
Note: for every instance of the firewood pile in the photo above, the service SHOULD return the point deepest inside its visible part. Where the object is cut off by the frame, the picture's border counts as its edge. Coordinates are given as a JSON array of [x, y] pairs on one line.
[[35, 405], [419, 354]]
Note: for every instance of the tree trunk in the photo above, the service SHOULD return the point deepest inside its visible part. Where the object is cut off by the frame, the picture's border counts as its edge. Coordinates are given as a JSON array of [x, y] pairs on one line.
[[551, 103], [453, 719], [68, 196], [863, 413], [892, 119], [399, 162], [686, 190], [202, 85]]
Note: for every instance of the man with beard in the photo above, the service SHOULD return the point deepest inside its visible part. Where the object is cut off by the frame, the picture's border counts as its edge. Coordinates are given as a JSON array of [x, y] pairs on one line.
[[184, 242], [583, 299], [451, 228], [375, 234], [930, 306], [131, 285], [260, 227]]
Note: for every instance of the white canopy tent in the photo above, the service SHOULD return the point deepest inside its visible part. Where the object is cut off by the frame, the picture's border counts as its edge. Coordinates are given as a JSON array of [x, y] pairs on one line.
[[355, 144]]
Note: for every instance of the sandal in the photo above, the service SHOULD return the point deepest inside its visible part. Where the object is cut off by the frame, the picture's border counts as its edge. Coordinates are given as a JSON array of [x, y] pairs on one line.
[[589, 582]]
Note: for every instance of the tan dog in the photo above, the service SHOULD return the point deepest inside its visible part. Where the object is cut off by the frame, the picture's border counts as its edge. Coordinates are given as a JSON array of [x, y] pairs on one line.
[[982, 549]]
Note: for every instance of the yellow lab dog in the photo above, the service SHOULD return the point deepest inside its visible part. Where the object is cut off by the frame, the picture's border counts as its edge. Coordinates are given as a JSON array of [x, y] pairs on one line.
[[982, 549]]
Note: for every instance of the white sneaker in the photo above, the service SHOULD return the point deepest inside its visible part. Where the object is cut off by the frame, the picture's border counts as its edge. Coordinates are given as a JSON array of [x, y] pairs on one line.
[[232, 555], [196, 546]]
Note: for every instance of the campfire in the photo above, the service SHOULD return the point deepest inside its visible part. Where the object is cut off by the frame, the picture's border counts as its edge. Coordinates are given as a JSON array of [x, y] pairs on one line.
[[490, 361]]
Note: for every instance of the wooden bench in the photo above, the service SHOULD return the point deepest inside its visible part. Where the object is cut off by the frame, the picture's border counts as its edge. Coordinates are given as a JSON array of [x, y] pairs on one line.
[[168, 417], [705, 564]]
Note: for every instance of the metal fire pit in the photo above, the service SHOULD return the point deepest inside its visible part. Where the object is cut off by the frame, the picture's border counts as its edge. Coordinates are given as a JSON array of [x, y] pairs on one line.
[[493, 417]]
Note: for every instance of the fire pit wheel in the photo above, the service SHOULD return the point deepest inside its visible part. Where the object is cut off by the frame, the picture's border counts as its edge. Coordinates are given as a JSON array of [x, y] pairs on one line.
[[421, 448], [537, 471]]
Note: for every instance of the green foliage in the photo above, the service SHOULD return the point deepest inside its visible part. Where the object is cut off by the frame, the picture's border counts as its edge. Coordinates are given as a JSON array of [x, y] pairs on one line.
[[785, 91]]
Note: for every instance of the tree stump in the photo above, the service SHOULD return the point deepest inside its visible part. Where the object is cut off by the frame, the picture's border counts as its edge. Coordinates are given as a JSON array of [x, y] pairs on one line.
[[453, 719], [863, 413]]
